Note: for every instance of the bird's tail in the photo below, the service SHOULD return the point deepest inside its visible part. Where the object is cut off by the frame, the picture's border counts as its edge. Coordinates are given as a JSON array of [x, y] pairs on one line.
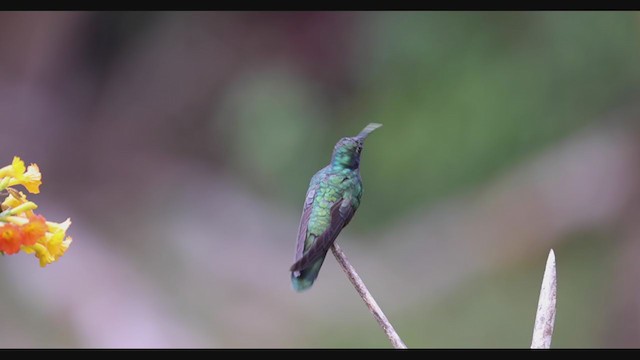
[[302, 280]]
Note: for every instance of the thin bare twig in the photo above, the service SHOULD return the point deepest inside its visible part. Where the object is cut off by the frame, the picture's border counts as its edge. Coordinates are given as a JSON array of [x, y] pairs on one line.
[[367, 298], [545, 317]]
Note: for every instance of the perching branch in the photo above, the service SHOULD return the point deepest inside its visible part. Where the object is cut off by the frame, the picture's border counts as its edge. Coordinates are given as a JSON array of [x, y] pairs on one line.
[[545, 317], [367, 298]]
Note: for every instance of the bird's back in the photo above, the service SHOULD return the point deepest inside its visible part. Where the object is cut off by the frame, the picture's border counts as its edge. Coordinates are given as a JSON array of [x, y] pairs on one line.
[[327, 187], [333, 186]]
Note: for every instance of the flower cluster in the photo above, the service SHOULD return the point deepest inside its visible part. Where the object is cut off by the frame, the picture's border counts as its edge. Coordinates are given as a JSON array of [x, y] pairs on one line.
[[20, 228]]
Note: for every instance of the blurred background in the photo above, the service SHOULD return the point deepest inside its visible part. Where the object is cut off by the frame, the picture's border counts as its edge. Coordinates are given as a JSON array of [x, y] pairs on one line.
[[181, 145]]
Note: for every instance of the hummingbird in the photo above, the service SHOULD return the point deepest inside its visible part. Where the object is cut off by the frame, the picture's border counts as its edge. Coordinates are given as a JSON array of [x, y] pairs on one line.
[[332, 198]]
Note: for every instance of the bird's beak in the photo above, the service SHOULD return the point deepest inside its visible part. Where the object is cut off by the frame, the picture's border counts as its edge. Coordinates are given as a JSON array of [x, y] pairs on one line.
[[367, 130]]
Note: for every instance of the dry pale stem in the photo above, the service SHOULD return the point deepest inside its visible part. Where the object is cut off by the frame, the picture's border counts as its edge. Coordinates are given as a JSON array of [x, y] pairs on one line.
[[545, 317], [367, 298]]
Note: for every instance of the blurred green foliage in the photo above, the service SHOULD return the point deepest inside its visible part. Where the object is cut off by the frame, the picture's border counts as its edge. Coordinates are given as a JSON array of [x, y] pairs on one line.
[[461, 96]]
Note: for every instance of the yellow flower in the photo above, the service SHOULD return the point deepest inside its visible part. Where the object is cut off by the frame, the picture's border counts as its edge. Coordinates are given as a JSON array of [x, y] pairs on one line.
[[17, 204], [55, 227], [14, 199], [32, 179], [53, 245], [20, 227], [9, 169], [29, 177]]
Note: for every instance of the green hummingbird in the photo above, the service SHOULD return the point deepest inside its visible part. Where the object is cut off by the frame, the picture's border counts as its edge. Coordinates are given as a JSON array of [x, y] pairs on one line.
[[332, 199]]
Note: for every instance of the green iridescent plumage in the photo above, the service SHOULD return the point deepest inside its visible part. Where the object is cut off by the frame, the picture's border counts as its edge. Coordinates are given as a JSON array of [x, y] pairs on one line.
[[332, 199]]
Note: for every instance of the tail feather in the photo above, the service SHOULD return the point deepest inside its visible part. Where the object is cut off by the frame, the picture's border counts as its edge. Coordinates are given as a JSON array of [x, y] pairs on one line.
[[302, 280]]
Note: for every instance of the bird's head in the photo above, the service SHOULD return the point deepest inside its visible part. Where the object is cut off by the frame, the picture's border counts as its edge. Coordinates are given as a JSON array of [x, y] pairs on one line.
[[347, 151]]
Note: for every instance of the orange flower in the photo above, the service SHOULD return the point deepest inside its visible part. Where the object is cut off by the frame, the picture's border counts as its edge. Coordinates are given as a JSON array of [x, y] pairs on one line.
[[11, 238], [20, 228], [34, 230]]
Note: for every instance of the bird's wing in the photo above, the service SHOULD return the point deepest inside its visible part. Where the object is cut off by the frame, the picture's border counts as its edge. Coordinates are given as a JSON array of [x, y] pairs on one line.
[[341, 213], [304, 222]]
